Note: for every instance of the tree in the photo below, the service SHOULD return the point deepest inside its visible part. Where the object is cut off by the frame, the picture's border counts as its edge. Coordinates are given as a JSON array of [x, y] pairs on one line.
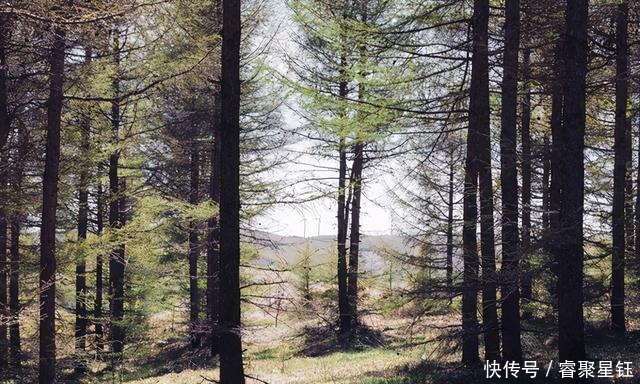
[[97, 307], [213, 227], [512, 350], [4, 225], [231, 366], [16, 224], [482, 111], [194, 246], [83, 227], [569, 251], [621, 169], [525, 247], [5, 127], [478, 178], [116, 210], [47, 365]]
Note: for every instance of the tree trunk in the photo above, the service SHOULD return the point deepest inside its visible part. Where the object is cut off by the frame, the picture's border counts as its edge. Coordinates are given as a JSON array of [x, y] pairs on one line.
[[478, 123], [213, 235], [213, 230], [480, 67], [4, 225], [81, 281], [97, 309], [14, 292], [557, 107], [194, 248], [116, 193], [83, 219], [231, 366], [15, 354], [512, 349], [47, 362], [5, 126], [570, 248], [637, 215], [450, 202], [526, 179], [354, 239], [546, 178], [622, 160], [343, 218]]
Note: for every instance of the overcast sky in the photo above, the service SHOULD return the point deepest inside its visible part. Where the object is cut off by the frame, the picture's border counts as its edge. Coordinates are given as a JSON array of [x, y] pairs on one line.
[[320, 215]]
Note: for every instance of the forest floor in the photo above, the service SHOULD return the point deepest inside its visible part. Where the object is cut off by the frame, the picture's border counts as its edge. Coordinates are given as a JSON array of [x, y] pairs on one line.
[[396, 350], [402, 344]]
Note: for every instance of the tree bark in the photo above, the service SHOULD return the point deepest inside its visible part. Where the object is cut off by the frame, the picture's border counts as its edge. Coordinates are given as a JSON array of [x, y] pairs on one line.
[[213, 230], [570, 249], [478, 125], [621, 162], [194, 247], [480, 67], [47, 362], [512, 349], [81, 282], [116, 193], [546, 178], [342, 216], [5, 126], [354, 239], [15, 354], [213, 235], [526, 179], [450, 202], [83, 220], [231, 365], [97, 309], [557, 107], [4, 313]]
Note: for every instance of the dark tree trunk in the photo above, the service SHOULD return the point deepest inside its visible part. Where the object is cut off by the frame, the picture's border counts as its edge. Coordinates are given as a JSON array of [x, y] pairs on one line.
[[213, 235], [81, 280], [622, 160], [637, 215], [5, 126], [194, 248], [343, 219], [570, 249], [478, 119], [83, 220], [4, 225], [512, 349], [231, 365], [15, 354], [450, 202], [47, 362], [116, 193], [546, 178], [557, 107], [97, 309], [480, 68], [354, 239], [117, 265], [213, 228], [526, 179]]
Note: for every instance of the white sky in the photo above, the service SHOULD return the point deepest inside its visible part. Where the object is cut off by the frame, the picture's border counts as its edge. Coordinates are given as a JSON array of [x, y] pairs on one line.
[[320, 215]]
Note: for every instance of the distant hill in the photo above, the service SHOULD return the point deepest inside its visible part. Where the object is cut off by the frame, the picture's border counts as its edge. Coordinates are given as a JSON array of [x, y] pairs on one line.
[[277, 249]]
